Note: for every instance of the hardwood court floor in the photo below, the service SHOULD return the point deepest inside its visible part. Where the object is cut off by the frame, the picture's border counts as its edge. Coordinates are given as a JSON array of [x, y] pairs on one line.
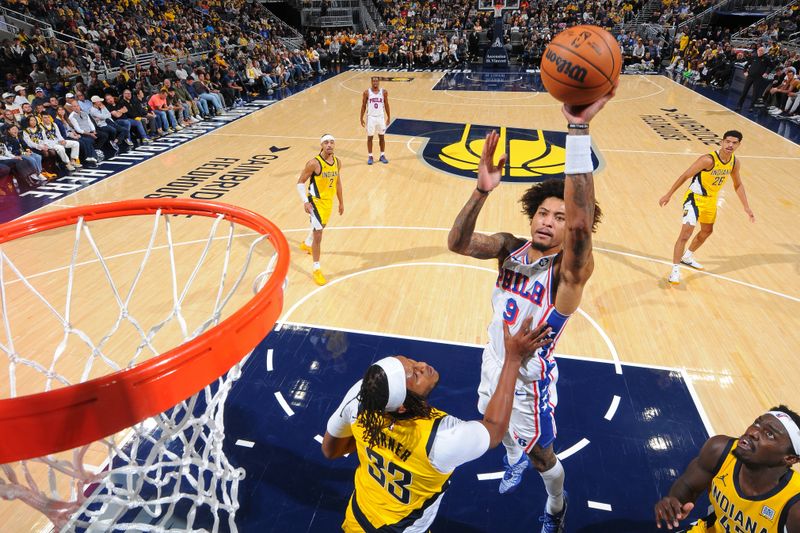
[[733, 328]]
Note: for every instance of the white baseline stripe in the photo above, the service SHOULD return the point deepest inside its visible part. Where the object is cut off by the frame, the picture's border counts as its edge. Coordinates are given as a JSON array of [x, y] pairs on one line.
[[612, 349], [490, 475], [245, 443], [284, 404], [269, 355], [598, 505], [697, 404], [612, 409], [290, 323], [575, 448], [730, 110]]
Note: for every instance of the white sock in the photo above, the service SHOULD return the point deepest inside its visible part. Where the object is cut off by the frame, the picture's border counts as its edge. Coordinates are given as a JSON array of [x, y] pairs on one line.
[[316, 265], [676, 267], [513, 450], [687, 254], [382, 154], [554, 484]]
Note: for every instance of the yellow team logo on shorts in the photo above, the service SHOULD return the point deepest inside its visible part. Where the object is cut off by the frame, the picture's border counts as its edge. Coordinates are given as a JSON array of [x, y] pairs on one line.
[[533, 155]]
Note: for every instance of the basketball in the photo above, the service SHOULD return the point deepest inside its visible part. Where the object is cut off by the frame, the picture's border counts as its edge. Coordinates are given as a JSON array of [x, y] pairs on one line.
[[581, 64]]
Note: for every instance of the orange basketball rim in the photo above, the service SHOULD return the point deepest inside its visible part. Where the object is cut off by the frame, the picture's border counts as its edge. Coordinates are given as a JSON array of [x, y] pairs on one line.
[[65, 418]]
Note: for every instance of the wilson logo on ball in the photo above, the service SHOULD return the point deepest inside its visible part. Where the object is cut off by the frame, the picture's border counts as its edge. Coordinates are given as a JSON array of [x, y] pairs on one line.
[[565, 66], [581, 64]]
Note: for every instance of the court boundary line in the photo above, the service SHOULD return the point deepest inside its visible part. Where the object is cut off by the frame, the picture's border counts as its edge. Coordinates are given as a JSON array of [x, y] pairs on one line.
[[606, 339], [57, 202], [732, 111], [614, 402], [293, 323]]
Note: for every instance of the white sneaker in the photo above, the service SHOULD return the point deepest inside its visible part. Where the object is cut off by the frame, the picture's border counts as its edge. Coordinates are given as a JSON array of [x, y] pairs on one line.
[[70, 167], [690, 261], [675, 275]]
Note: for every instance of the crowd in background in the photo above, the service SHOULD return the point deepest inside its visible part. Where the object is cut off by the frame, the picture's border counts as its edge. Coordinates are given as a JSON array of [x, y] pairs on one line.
[[71, 104]]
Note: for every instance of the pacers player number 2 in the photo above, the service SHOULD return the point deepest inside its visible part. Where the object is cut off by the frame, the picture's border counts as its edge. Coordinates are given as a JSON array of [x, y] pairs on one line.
[[397, 481]]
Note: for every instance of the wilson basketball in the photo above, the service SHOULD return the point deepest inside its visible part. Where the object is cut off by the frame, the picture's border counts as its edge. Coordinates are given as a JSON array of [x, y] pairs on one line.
[[581, 64]]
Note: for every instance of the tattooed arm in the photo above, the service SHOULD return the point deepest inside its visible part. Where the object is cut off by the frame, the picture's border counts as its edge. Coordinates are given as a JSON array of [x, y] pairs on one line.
[[462, 238], [577, 262]]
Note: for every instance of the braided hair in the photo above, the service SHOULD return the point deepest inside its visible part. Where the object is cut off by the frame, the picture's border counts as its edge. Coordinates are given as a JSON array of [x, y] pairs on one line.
[[372, 400]]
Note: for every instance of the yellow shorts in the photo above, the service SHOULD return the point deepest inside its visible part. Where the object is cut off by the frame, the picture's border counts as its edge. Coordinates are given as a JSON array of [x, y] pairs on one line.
[[697, 208], [350, 524], [320, 212]]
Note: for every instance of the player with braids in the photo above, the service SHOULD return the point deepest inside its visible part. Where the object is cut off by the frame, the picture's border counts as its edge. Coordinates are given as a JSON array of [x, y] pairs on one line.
[[407, 449], [373, 397]]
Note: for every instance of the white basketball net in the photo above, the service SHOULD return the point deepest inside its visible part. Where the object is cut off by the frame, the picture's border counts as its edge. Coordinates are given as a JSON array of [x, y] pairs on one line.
[[169, 473]]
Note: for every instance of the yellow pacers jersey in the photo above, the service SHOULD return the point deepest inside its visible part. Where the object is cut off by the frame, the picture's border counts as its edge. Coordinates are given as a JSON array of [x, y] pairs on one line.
[[322, 186], [766, 513], [395, 482], [709, 182]]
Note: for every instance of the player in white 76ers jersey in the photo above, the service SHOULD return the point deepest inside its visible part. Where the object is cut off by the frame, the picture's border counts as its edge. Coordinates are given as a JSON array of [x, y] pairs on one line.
[[375, 103], [544, 278]]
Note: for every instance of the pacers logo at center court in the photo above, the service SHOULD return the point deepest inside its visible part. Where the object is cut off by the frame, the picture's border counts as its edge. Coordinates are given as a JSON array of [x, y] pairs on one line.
[[533, 155]]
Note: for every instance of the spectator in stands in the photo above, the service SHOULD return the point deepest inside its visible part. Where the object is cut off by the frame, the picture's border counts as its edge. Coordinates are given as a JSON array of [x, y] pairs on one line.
[[16, 144], [22, 95], [83, 103], [164, 113], [181, 109], [784, 95], [68, 132], [20, 168], [201, 103], [82, 123], [139, 104], [205, 94], [9, 119], [102, 118], [212, 90], [35, 139], [121, 115], [10, 106], [186, 100], [54, 140]]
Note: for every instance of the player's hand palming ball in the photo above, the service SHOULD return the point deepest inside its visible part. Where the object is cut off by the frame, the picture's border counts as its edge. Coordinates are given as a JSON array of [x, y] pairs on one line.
[[581, 64]]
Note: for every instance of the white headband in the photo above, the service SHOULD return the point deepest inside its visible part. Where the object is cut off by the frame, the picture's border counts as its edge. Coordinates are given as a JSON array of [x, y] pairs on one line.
[[396, 376], [791, 428], [326, 137]]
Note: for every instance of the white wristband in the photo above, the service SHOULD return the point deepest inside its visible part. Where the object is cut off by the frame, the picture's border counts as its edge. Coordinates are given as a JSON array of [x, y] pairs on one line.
[[301, 191], [579, 154]]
